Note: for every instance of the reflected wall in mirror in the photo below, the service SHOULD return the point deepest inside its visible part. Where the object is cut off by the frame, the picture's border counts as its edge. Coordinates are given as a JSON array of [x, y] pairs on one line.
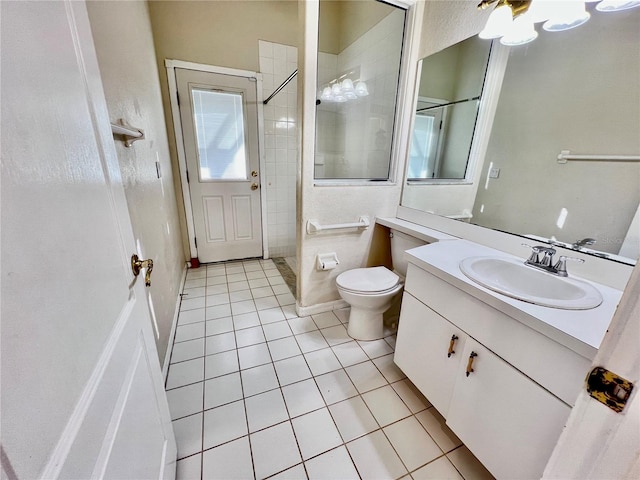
[[360, 43], [577, 90], [449, 91]]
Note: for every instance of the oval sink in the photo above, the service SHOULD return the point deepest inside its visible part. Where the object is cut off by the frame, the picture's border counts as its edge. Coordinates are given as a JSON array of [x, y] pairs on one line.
[[516, 280]]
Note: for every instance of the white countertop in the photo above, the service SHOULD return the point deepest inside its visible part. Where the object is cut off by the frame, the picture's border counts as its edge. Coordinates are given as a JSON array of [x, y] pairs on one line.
[[580, 330], [426, 234]]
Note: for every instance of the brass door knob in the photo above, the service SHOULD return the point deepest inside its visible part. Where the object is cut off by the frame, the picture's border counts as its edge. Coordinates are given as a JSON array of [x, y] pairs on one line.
[[254, 186], [137, 265], [254, 173]]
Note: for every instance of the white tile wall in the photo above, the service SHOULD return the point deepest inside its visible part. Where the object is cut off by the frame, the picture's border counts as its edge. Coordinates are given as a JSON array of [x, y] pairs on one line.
[[277, 62]]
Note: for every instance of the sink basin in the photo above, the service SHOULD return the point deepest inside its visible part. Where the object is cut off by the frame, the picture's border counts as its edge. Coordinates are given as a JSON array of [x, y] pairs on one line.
[[516, 280]]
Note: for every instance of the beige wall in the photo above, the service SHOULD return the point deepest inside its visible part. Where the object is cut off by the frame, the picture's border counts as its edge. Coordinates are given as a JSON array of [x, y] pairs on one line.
[[124, 45], [220, 33]]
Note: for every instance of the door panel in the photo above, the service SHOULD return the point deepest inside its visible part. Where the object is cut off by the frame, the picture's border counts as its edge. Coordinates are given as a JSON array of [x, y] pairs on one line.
[[219, 118]]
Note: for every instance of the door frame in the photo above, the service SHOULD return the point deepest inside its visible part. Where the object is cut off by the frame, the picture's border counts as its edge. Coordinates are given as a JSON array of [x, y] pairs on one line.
[[171, 66]]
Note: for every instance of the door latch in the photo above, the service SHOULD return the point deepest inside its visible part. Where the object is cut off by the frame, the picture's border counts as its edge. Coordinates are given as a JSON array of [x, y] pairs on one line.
[[137, 265], [609, 388]]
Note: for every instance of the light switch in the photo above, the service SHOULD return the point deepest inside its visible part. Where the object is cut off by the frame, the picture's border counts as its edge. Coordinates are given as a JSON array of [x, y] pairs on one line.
[[494, 173]]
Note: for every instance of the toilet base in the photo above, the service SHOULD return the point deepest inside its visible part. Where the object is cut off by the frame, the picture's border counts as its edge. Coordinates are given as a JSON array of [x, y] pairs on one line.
[[365, 324]]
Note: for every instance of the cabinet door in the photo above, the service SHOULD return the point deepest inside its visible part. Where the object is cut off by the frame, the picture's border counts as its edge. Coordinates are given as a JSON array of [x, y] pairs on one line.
[[508, 421], [422, 348]]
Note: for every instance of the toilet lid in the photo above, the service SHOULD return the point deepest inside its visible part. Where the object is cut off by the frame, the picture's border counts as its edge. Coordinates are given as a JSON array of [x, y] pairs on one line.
[[372, 279]]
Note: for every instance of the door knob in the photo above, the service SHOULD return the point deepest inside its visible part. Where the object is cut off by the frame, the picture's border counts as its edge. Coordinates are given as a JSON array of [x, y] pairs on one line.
[[254, 173], [137, 265], [254, 186]]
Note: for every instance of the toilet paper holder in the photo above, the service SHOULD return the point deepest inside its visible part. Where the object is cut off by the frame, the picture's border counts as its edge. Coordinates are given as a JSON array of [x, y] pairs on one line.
[[326, 261]]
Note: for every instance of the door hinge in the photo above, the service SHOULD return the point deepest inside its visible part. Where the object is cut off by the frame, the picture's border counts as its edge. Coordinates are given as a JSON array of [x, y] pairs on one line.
[[187, 172], [178, 97], [195, 240]]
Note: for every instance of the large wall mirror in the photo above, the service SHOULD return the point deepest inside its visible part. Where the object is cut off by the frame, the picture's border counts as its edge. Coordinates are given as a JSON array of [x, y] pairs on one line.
[[360, 49], [577, 91]]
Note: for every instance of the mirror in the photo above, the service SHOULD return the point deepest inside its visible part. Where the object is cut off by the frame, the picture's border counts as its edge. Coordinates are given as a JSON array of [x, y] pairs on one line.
[[577, 90], [360, 45], [449, 93]]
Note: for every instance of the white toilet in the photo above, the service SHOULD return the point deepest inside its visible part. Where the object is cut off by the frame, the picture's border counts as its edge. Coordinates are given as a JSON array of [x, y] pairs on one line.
[[370, 291]]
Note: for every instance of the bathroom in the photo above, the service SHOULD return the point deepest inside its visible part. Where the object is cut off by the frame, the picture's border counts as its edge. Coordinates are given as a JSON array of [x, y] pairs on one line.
[[156, 201]]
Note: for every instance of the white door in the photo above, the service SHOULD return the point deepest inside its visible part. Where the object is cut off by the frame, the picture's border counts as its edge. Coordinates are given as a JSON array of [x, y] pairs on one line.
[[82, 391], [219, 115]]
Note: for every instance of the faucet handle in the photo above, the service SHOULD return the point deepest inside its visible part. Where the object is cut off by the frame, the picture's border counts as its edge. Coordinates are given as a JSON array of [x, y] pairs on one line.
[[561, 265], [533, 258]]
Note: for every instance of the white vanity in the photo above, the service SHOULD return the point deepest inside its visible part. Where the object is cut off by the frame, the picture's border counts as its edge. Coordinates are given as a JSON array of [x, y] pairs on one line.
[[504, 373]]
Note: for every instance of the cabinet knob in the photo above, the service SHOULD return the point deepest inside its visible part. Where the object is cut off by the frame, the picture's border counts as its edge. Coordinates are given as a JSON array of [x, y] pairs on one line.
[[451, 351], [470, 362]]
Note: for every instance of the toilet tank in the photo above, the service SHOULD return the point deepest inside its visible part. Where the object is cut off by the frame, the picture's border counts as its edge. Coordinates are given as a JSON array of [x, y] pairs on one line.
[[400, 242]]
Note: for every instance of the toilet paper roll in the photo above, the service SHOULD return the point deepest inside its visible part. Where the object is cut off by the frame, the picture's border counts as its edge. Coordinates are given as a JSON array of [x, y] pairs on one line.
[[329, 265]]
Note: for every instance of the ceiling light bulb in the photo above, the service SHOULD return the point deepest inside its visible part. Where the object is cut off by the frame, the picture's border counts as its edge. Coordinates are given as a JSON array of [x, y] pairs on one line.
[[361, 89], [347, 85], [326, 94], [521, 32], [540, 10], [617, 5], [498, 23], [336, 90], [567, 14]]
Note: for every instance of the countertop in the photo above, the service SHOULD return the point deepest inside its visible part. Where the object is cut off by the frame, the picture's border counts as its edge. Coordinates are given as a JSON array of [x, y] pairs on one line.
[[580, 330]]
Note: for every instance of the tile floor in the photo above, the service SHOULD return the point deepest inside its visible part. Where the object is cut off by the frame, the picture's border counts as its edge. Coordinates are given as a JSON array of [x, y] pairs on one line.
[[257, 392]]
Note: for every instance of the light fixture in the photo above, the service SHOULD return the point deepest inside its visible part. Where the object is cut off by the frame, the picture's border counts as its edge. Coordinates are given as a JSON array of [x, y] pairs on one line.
[[361, 89], [342, 91], [513, 21]]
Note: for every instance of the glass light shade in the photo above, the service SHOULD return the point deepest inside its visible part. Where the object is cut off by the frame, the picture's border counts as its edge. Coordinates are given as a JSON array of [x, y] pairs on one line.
[[326, 94], [617, 5], [521, 32], [540, 10], [339, 99], [498, 23], [336, 90], [350, 95], [361, 89], [347, 85], [567, 14]]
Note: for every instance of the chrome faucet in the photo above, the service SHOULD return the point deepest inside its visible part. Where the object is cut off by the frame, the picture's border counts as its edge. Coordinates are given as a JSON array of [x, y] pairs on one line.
[[546, 262], [581, 243]]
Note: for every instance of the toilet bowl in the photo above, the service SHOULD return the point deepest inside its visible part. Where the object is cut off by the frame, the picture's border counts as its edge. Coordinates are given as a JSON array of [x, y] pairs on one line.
[[370, 291]]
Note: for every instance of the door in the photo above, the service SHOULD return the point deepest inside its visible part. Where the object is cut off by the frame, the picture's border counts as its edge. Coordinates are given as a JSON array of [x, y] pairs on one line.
[[219, 115], [82, 391]]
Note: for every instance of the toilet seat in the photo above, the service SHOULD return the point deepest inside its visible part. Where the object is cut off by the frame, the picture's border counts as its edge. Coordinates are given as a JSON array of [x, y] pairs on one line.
[[368, 281]]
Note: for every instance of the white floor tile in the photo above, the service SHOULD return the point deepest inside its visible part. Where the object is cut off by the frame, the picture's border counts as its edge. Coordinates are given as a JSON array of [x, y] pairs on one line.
[[246, 320], [410, 395], [192, 303], [246, 306], [440, 469], [189, 332], [188, 432], [265, 410], [468, 465], [389, 369], [236, 277], [376, 348], [231, 461], [219, 311], [221, 390], [311, 341], [335, 386], [253, 356], [412, 443], [302, 325], [187, 350], [234, 268], [260, 292], [336, 335], [374, 457], [291, 370], [286, 299], [219, 325], [350, 353], [335, 463], [258, 282], [249, 336], [274, 450], [240, 296], [277, 330], [194, 292], [216, 270], [293, 473], [196, 273], [195, 283], [322, 361], [289, 311], [271, 315], [253, 274], [280, 289], [302, 397], [213, 281], [386, 405], [224, 423], [220, 343], [433, 422], [365, 376], [218, 299], [266, 303], [184, 373], [216, 289], [283, 348], [191, 316], [189, 468], [343, 314], [185, 401], [237, 286], [315, 433], [326, 319], [259, 379], [353, 418], [221, 364]]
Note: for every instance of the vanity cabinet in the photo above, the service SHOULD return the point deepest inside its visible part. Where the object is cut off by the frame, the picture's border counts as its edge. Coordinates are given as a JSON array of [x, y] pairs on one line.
[[511, 408]]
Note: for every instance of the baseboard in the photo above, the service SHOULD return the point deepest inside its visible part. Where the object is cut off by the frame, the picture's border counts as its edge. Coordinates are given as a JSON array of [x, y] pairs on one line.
[[320, 308], [174, 325]]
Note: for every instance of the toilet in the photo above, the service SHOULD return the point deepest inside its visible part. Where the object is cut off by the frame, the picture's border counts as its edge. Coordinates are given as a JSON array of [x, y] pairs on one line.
[[370, 291]]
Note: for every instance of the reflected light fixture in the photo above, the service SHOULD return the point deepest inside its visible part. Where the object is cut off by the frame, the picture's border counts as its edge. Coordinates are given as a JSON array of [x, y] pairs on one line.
[[343, 91], [513, 20]]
